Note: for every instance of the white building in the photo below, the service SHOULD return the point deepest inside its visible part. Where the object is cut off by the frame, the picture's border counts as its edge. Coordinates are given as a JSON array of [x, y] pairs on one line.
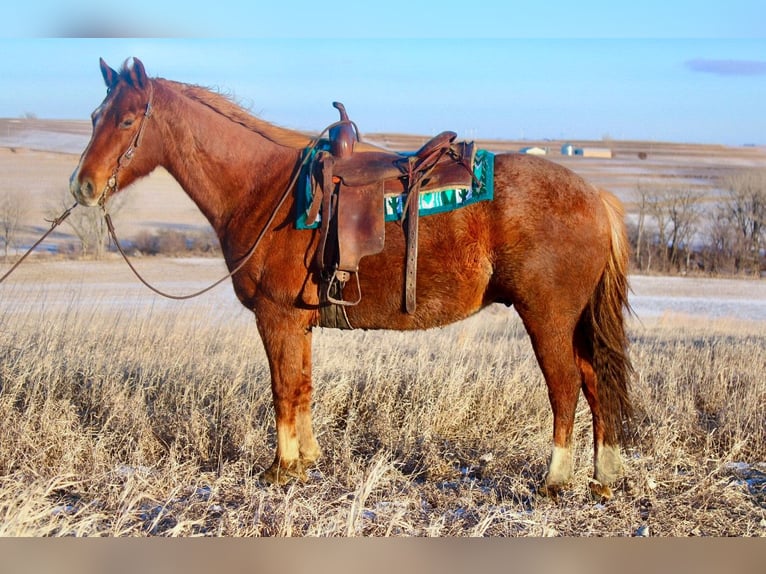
[[601, 152], [534, 150]]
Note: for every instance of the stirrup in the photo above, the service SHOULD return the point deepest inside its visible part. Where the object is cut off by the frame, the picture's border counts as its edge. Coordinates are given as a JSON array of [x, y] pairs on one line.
[[341, 277]]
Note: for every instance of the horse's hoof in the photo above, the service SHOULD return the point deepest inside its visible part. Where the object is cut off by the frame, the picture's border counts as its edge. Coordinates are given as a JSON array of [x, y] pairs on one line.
[[552, 491], [283, 474], [309, 459], [600, 491]]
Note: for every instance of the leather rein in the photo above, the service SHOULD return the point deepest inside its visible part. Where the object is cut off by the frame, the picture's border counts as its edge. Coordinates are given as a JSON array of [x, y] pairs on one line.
[[111, 188], [125, 158], [54, 224]]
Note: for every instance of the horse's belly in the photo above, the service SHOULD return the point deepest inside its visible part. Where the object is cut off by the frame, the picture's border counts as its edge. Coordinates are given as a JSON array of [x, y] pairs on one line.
[[453, 273], [446, 291]]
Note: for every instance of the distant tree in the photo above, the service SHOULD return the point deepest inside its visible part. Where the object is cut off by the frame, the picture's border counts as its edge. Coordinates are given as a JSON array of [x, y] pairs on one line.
[[683, 207], [90, 228], [718, 250], [11, 213], [88, 225], [743, 211], [667, 223], [642, 199], [658, 242]]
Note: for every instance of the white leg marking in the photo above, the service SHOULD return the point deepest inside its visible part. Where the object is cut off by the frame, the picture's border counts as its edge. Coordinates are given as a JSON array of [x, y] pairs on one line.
[[608, 465], [287, 443], [560, 467]]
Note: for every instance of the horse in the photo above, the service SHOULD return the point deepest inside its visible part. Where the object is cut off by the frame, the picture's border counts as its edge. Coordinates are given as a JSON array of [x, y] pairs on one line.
[[549, 244]]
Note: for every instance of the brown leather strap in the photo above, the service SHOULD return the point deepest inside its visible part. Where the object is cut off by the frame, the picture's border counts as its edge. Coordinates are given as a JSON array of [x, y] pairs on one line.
[[326, 162], [420, 168], [411, 264]]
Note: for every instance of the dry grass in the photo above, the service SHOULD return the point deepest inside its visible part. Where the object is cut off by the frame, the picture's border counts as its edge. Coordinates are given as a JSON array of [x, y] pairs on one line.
[[129, 417]]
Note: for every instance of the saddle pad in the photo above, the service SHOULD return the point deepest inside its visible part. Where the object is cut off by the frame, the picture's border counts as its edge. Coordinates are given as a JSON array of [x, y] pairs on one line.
[[430, 203]]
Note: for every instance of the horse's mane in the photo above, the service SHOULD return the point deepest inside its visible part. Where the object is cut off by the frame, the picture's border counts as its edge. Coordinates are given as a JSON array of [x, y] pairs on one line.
[[225, 106]]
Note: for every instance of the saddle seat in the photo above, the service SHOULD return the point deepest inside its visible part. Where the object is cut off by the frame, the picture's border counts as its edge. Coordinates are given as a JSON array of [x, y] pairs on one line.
[[440, 162], [350, 185], [364, 167]]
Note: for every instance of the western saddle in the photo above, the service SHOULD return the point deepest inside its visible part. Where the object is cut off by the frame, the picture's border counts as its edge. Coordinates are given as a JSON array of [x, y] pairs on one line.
[[348, 189]]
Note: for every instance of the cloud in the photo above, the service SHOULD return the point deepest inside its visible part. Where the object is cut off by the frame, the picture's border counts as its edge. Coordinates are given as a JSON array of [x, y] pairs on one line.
[[727, 67]]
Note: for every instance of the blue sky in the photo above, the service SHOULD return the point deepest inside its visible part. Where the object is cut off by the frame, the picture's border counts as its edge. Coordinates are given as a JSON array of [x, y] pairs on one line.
[[568, 70]]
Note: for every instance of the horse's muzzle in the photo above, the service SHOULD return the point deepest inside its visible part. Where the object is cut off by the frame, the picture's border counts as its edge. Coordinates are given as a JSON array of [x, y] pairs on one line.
[[83, 191]]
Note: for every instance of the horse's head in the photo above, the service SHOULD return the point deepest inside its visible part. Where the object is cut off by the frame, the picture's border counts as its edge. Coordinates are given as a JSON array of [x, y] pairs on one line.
[[107, 164]]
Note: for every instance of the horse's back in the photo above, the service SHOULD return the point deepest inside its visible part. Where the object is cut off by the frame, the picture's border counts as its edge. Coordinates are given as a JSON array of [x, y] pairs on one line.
[[533, 188]]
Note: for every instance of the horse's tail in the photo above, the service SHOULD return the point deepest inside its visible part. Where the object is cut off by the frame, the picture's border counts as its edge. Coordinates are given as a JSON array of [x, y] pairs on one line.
[[603, 323]]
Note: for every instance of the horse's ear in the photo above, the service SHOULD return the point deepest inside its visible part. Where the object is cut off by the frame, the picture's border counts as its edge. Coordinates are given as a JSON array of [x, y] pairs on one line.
[[138, 74], [110, 76]]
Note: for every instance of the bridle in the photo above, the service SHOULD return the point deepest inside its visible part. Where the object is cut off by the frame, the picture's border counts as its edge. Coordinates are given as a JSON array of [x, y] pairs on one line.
[[124, 160]]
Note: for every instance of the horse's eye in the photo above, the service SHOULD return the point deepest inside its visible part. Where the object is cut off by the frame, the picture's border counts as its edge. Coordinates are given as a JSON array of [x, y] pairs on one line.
[[126, 123]]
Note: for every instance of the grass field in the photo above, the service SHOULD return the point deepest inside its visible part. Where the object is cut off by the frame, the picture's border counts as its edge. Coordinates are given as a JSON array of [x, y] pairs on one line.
[[122, 414]]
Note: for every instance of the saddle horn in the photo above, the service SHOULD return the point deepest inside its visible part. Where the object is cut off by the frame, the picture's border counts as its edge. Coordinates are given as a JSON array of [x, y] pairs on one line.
[[343, 135]]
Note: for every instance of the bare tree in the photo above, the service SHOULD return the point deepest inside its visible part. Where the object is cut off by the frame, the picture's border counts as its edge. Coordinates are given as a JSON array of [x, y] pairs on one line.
[[12, 211], [642, 200], [744, 209], [89, 227], [683, 208], [719, 245], [671, 215], [655, 210]]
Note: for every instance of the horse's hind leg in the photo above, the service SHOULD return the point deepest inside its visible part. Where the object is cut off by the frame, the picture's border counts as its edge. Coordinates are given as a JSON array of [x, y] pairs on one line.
[[607, 462], [555, 354]]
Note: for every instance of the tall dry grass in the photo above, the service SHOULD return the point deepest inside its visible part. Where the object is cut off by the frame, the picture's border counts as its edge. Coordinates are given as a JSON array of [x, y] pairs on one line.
[[148, 420]]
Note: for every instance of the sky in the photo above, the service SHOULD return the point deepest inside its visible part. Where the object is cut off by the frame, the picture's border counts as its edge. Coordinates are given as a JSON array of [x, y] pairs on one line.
[[686, 71]]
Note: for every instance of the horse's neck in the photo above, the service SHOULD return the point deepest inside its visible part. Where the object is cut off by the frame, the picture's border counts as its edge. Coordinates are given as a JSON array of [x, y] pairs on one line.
[[224, 167]]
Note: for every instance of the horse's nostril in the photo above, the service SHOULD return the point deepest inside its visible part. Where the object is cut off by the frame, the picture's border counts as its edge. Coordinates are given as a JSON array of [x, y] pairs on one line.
[[82, 190]]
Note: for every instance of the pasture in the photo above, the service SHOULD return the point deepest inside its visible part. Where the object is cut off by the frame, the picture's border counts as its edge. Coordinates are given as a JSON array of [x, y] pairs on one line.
[[123, 414]]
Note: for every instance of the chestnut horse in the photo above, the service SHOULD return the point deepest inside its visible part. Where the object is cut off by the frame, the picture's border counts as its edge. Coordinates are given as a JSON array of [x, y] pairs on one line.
[[550, 244]]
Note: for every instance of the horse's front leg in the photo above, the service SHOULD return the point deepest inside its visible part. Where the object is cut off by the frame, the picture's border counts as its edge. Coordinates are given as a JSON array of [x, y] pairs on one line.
[[287, 341]]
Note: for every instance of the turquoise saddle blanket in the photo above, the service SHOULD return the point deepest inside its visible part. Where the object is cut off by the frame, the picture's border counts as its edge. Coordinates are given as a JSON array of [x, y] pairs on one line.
[[431, 202]]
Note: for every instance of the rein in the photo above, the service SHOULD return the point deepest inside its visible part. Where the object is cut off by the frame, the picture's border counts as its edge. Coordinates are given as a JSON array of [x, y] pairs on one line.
[[111, 188], [54, 224], [110, 225]]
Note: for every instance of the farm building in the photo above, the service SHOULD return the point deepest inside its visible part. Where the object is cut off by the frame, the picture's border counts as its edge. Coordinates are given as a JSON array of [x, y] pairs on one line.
[[601, 152], [534, 150]]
